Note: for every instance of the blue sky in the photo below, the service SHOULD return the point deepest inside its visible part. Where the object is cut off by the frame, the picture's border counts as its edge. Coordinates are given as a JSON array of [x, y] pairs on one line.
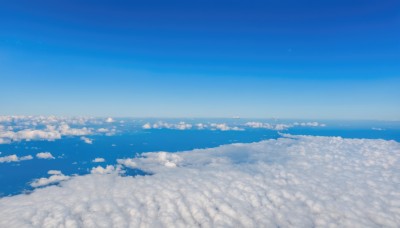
[[287, 59]]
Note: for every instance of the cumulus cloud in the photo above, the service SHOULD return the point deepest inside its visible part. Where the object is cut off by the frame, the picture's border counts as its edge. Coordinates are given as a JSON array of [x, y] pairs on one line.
[[109, 120], [45, 155], [100, 170], [163, 125], [14, 158], [290, 182], [277, 127], [56, 177], [54, 172], [87, 140], [96, 160], [309, 124], [224, 127], [186, 126], [281, 126], [19, 128]]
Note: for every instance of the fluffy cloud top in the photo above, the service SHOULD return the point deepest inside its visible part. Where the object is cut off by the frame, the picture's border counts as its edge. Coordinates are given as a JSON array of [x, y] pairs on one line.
[[277, 127], [186, 126], [56, 177], [14, 158], [96, 160], [45, 155], [86, 140], [18, 128], [309, 124], [163, 125], [100, 170], [109, 120], [289, 182]]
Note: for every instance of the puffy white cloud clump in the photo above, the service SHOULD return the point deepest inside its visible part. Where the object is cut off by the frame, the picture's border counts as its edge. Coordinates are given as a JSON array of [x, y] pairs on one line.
[[87, 140], [163, 125], [277, 127], [45, 155], [309, 124], [109, 120], [281, 126], [50, 128], [56, 177], [186, 126], [97, 160], [228, 127], [289, 182], [100, 170], [15, 158]]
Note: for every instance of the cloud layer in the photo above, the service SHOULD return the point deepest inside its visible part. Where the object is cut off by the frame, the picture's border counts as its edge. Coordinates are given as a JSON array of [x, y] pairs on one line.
[[50, 128], [291, 182]]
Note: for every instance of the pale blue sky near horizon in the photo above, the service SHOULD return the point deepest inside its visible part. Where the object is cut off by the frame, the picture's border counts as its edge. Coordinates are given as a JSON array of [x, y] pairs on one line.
[[261, 59]]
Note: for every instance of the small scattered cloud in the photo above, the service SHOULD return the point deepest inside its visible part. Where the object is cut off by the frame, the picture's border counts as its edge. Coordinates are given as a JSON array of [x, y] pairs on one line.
[[87, 140], [109, 120], [56, 177], [100, 170], [14, 158], [45, 155], [96, 160]]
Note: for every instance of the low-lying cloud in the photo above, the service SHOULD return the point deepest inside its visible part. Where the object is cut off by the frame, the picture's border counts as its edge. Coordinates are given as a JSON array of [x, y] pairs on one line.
[[289, 182]]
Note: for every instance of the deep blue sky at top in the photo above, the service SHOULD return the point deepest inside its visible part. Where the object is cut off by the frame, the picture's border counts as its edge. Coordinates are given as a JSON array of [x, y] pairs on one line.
[[272, 58]]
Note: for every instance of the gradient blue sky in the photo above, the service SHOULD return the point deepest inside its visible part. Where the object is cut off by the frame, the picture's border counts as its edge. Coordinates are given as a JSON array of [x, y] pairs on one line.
[[288, 59]]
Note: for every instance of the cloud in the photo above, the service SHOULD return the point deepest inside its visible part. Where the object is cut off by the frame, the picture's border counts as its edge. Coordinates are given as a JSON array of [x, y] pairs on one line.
[[19, 128], [297, 181], [56, 177], [186, 126], [44, 155], [14, 158], [54, 172], [224, 127], [309, 124], [98, 160], [277, 127], [86, 140], [281, 126], [109, 120], [100, 170], [163, 125], [147, 126]]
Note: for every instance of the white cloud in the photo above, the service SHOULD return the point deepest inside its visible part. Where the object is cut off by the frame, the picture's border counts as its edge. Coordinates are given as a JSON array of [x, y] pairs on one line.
[[54, 172], [100, 170], [277, 127], [224, 127], [86, 140], [146, 126], [102, 130], [282, 126], [163, 125], [15, 158], [56, 177], [18, 128], [109, 120], [309, 124], [289, 182], [45, 155], [98, 160], [186, 126]]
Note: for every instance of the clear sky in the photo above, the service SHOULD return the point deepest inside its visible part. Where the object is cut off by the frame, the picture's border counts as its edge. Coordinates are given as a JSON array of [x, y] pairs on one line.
[[274, 58]]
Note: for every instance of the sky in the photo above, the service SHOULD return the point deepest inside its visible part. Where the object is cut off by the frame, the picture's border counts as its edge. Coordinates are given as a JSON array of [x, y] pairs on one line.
[[284, 59]]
